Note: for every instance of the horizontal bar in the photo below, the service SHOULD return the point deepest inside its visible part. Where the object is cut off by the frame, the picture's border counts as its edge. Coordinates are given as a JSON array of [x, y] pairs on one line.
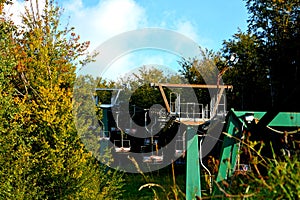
[[108, 89], [190, 85]]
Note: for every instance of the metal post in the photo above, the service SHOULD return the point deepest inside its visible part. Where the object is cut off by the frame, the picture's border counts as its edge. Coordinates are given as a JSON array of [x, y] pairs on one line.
[[193, 182], [105, 120]]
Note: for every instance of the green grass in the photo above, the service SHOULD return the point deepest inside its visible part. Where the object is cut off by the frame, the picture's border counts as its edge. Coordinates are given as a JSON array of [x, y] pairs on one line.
[[158, 184], [281, 181]]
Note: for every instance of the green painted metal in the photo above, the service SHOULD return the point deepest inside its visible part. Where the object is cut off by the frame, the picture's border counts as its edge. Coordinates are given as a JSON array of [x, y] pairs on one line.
[[104, 144], [287, 119], [105, 120], [229, 148], [193, 183], [283, 119], [235, 124]]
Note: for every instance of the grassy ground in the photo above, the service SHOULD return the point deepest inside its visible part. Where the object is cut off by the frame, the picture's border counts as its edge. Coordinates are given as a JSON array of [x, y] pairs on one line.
[[160, 184]]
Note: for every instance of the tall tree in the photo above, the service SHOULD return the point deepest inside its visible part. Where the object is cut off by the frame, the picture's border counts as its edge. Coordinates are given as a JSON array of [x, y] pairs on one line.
[[14, 152], [43, 156], [250, 79], [276, 23], [269, 57], [138, 86]]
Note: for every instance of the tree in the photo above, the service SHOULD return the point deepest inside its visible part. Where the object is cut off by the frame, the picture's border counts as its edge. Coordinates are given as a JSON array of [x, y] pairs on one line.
[[42, 155], [248, 77], [201, 70], [269, 52], [14, 152], [276, 24], [269, 57], [140, 92]]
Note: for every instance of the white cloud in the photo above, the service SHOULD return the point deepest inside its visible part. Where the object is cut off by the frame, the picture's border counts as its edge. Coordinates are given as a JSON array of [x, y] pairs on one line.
[[109, 18], [188, 29], [105, 20]]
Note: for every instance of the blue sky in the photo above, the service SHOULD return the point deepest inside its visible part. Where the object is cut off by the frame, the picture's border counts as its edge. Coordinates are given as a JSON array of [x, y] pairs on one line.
[[207, 22]]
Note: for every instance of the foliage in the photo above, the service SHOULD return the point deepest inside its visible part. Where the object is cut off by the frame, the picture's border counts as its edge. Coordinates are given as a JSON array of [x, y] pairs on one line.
[[138, 87], [266, 78], [166, 183], [248, 77], [269, 56], [42, 157], [276, 24], [270, 178], [137, 90], [201, 70], [13, 151], [282, 181]]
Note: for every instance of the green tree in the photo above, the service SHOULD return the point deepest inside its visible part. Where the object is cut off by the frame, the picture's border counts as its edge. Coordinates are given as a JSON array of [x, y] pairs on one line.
[[14, 151], [248, 76], [139, 90], [276, 24], [201, 70], [267, 77], [42, 156], [269, 57]]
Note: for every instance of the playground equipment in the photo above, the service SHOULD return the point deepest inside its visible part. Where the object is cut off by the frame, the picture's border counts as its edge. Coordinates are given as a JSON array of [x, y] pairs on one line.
[[122, 146], [238, 123], [182, 110], [104, 135], [179, 146], [193, 115]]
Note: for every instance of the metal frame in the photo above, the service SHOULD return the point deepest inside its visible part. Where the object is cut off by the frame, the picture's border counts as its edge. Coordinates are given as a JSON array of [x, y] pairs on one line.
[[220, 88], [236, 124]]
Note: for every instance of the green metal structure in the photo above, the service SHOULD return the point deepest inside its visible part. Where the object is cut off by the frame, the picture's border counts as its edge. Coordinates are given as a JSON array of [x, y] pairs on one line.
[[236, 123], [193, 184]]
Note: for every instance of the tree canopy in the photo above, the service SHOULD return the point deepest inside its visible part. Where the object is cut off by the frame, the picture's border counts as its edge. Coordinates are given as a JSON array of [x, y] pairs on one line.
[[269, 56]]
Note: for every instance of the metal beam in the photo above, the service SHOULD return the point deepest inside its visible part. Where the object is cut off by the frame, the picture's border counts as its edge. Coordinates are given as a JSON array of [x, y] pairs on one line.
[[203, 86], [235, 125], [107, 89], [219, 96], [200, 86], [282, 119], [164, 98]]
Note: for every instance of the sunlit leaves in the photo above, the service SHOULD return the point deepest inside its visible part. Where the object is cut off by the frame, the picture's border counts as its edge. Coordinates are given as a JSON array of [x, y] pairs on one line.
[[41, 155]]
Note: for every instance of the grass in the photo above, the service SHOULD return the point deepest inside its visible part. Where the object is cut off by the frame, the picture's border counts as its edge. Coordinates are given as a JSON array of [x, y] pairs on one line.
[[156, 185], [279, 181]]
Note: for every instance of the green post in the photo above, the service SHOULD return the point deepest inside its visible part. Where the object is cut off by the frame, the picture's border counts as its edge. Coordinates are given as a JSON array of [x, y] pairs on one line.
[[235, 124], [193, 183], [104, 146], [105, 119], [229, 148]]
